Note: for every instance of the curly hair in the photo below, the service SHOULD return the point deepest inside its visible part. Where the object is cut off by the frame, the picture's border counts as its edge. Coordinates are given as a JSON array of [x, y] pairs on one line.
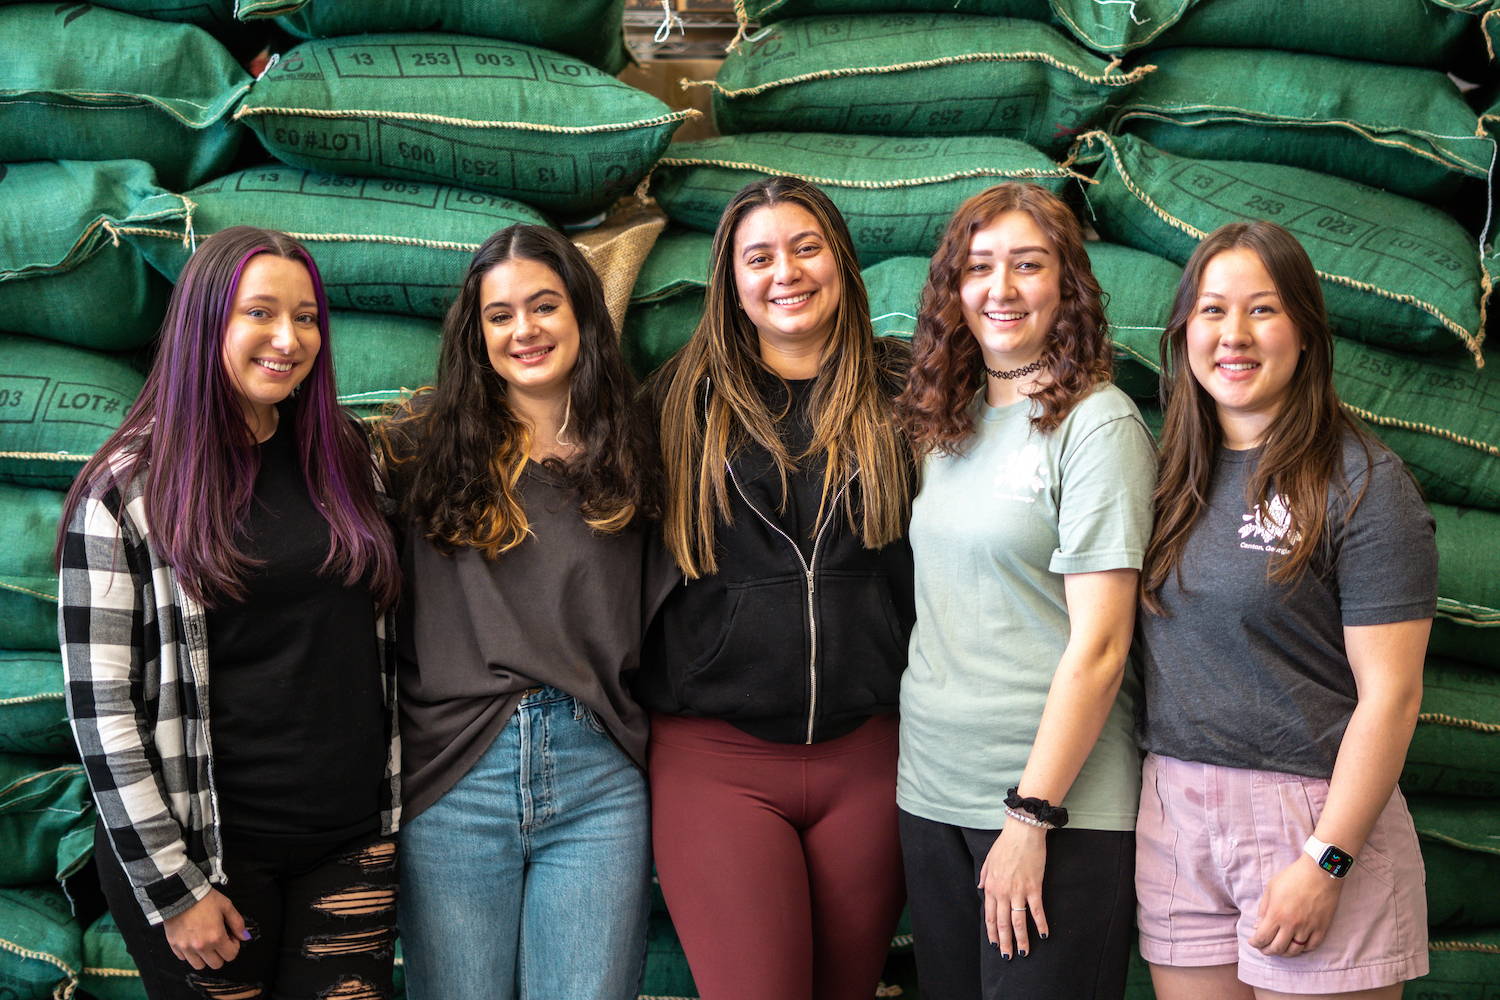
[[947, 368]]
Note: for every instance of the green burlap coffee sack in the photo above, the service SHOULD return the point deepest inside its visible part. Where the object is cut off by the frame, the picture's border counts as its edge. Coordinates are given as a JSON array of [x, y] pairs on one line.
[[1416, 32], [1467, 540], [57, 405], [1460, 841], [87, 83], [1401, 128], [1441, 415], [896, 194], [1395, 272], [216, 15], [33, 718], [382, 359], [28, 581], [667, 300], [768, 11], [455, 109], [1463, 638], [63, 274], [382, 245], [656, 330], [1138, 289], [590, 30], [1456, 748], [1465, 966], [41, 945], [109, 973], [894, 287], [678, 263], [46, 819], [917, 75]]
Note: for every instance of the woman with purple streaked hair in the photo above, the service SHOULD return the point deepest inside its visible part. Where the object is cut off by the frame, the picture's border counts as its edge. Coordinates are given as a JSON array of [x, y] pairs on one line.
[[247, 808]]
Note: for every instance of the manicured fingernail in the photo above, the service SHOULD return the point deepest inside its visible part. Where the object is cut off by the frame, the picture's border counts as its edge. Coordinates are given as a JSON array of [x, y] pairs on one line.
[[994, 946], [1044, 937], [245, 934], [1005, 956], [1021, 953]]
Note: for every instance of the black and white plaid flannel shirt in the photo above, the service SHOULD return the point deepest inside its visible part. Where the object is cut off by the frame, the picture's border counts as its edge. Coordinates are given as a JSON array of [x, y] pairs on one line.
[[135, 655]]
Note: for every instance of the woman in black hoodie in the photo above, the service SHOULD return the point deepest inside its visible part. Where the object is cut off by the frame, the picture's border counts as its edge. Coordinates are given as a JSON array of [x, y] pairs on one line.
[[773, 673]]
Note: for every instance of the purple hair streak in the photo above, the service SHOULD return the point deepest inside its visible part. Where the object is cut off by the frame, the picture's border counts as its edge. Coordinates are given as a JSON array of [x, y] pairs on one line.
[[186, 435]]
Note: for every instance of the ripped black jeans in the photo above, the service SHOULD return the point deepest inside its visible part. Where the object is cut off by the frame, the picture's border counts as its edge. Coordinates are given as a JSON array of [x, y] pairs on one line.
[[322, 919]]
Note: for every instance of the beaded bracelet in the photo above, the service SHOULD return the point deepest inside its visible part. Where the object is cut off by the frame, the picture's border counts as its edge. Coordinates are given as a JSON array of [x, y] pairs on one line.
[[1055, 817], [1021, 817]]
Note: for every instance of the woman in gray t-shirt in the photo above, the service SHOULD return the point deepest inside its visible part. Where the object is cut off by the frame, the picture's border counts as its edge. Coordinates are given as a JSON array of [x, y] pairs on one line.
[[524, 480], [1288, 591]]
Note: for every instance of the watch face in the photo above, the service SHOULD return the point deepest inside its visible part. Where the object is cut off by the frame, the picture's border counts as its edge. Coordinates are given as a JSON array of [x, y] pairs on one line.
[[1335, 862]]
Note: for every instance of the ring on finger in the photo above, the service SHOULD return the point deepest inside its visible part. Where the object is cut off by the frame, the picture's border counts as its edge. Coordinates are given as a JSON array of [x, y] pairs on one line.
[[1018, 909], [1302, 943]]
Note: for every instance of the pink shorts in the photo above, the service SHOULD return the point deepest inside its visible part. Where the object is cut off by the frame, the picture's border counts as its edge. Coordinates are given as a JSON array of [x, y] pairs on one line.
[[1210, 838]]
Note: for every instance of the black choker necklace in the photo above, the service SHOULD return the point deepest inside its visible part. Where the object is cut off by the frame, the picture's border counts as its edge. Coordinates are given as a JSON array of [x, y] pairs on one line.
[[1035, 366]]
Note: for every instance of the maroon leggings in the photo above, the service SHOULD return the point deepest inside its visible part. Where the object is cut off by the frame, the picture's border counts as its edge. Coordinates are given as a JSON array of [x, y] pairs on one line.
[[780, 863]]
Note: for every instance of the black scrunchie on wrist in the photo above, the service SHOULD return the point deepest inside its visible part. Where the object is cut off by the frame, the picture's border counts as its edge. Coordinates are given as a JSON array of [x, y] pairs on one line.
[[1041, 809]]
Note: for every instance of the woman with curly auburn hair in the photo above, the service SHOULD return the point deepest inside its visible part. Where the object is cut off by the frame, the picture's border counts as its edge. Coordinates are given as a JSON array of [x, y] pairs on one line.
[[1288, 591], [1018, 770], [773, 673], [525, 477]]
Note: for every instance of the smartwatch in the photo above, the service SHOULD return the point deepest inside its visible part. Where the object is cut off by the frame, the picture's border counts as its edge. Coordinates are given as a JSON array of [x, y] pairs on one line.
[[1331, 859]]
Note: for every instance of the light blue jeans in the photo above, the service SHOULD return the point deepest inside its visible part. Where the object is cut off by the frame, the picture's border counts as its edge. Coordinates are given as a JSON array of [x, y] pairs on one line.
[[530, 877]]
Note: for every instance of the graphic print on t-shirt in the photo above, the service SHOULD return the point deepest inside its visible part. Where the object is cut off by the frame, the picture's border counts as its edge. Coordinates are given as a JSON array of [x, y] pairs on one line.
[[1272, 524], [1018, 475]]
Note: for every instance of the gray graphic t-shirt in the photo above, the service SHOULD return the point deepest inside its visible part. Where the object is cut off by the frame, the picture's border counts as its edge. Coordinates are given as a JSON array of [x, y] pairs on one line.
[[1243, 672]]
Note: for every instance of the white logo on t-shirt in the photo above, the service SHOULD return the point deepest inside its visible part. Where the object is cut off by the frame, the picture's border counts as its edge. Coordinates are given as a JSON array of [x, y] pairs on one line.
[[1272, 524], [1019, 475]]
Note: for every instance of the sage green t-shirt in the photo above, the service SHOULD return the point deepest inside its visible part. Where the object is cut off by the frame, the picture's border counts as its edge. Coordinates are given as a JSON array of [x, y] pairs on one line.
[[993, 530]]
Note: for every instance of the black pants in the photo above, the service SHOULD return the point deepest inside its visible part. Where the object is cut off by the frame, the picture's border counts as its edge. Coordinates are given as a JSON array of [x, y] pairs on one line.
[[1088, 889], [322, 919]]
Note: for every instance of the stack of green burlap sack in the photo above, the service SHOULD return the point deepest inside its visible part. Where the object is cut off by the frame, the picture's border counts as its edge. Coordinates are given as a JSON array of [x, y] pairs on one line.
[[1161, 120], [392, 140]]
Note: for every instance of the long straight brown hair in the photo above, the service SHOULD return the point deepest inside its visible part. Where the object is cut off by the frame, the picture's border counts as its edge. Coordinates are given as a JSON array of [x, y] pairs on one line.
[[709, 405], [1303, 446]]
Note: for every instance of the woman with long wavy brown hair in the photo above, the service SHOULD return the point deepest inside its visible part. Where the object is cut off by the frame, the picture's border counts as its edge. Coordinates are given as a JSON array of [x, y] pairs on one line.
[[1018, 771], [1288, 592], [772, 674], [526, 482]]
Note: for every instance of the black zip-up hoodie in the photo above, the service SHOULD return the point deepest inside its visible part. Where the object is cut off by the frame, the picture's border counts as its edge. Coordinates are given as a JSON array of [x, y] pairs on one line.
[[802, 634]]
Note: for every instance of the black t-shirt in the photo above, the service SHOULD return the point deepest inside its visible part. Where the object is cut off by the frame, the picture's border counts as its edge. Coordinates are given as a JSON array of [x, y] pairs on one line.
[[297, 716]]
